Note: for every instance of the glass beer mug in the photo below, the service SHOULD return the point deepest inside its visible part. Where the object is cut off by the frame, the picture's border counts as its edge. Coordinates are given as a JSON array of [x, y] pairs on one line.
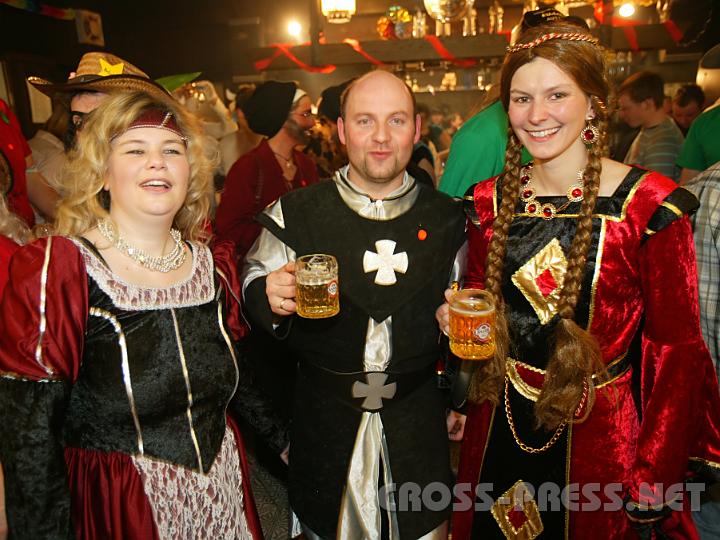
[[472, 324], [317, 294]]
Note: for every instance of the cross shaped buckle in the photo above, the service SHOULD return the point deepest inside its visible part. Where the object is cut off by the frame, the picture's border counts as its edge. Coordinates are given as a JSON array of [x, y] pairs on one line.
[[385, 261], [374, 391]]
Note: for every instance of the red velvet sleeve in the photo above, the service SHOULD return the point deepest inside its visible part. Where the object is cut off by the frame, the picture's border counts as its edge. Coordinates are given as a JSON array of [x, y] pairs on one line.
[[479, 232], [223, 257], [234, 219], [680, 402], [44, 341], [7, 248], [42, 325]]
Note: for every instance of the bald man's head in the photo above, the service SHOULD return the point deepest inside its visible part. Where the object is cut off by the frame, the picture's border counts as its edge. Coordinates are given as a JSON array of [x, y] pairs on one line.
[[379, 128], [375, 75]]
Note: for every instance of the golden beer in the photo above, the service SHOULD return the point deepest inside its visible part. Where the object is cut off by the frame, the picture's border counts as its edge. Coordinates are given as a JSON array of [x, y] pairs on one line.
[[317, 293], [472, 325]]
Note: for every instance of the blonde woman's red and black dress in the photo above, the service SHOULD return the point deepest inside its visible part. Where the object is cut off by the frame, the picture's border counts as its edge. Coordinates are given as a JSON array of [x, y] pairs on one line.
[[640, 287], [114, 400]]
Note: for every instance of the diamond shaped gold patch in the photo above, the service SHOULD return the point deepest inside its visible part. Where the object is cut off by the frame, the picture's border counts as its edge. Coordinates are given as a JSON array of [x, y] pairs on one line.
[[517, 514], [541, 280]]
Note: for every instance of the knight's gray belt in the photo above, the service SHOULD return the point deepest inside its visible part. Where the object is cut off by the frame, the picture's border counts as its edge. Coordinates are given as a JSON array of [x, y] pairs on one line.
[[366, 390]]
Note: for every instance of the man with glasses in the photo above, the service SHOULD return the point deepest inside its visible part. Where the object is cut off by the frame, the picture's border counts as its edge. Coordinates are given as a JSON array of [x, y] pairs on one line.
[[281, 112]]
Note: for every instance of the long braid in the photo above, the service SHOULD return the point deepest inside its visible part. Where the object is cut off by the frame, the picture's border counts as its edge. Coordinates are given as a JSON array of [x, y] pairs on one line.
[[487, 381], [576, 355]]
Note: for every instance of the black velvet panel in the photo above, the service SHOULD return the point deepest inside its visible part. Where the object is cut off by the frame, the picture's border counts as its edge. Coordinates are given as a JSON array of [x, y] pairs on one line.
[[505, 463], [681, 199], [99, 415], [529, 235], [35, 479]]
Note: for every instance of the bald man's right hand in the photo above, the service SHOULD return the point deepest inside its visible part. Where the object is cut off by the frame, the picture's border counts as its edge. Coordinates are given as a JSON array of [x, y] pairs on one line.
[[280, 290]]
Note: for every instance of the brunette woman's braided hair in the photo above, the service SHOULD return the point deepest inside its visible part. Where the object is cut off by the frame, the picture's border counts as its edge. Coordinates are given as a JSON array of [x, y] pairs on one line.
[[575, 354]]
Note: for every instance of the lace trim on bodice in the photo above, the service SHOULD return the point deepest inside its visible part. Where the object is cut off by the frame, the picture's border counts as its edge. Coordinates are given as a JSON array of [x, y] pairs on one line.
[[196, 290], [188, 504]]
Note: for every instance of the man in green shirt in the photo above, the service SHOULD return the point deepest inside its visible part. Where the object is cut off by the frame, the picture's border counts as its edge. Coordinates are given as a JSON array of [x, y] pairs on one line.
[[702, 145], [477, 151]]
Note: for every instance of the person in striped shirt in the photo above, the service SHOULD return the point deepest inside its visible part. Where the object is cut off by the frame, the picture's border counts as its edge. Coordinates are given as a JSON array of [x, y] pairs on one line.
[[658, 144]]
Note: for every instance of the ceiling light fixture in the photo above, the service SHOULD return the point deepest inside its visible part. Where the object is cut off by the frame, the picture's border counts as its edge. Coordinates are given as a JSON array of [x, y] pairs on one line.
[[627, 10], [338, 11]]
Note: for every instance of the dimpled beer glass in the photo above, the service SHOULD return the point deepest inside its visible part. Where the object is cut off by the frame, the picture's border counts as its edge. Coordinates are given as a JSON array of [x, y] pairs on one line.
[[316, 278], [472, 324]]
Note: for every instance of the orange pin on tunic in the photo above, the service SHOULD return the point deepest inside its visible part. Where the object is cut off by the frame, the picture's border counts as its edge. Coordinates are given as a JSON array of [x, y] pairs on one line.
[[422, 234]]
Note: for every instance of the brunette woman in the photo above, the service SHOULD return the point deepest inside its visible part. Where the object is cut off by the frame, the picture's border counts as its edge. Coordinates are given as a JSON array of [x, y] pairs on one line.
[[585, 257]]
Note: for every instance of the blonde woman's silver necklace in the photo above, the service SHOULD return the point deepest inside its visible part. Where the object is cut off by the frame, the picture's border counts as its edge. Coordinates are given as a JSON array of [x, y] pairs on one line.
[[162, 263], [575, 193]]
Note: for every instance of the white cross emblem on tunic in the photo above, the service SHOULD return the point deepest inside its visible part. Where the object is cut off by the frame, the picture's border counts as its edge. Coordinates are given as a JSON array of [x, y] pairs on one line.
[[385, 261], [374, 391]]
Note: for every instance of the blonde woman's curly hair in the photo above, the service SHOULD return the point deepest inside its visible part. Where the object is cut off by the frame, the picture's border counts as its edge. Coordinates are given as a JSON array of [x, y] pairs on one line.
[[11, 225], [85, 202]]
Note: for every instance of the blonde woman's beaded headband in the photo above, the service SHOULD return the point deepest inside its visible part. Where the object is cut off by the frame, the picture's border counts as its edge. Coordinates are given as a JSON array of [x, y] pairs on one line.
[[570, 36]]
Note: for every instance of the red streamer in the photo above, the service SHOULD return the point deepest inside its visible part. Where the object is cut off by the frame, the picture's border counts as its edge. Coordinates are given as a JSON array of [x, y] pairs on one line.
[[263, 64], [447, 55], [622, 21], [355, 44], [631, 36], [284, 49], [600, 9], [507, 34], [673, 31]]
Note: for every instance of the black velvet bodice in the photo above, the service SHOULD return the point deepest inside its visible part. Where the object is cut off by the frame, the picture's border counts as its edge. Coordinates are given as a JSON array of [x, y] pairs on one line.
[[160, 343], [527, 237]]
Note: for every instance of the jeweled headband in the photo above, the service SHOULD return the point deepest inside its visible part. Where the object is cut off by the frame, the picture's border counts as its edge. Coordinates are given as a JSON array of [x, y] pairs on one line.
[[156, 118], [569, 36]]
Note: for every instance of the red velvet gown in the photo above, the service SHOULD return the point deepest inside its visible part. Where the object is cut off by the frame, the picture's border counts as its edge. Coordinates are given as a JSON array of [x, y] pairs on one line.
[[658, 419], [113, 400]]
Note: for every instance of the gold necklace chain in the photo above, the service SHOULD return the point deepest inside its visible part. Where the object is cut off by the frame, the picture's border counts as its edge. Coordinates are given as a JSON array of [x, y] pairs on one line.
[[575, 193], [288, 161], [527, 448], [162, 263]]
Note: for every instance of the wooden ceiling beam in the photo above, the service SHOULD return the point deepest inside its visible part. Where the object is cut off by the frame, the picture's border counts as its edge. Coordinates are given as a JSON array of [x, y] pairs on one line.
[[649, 37]]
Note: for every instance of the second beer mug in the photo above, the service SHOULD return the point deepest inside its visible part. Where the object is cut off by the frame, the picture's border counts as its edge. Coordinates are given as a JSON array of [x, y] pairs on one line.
[[317, 295], [472, 324]]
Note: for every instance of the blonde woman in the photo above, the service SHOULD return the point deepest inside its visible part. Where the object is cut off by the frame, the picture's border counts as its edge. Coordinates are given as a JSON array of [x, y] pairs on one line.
[[592, 266], [116, 358]]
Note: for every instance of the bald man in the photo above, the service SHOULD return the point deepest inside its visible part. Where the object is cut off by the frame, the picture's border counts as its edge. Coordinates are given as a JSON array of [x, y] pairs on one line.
[[368, 442]]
